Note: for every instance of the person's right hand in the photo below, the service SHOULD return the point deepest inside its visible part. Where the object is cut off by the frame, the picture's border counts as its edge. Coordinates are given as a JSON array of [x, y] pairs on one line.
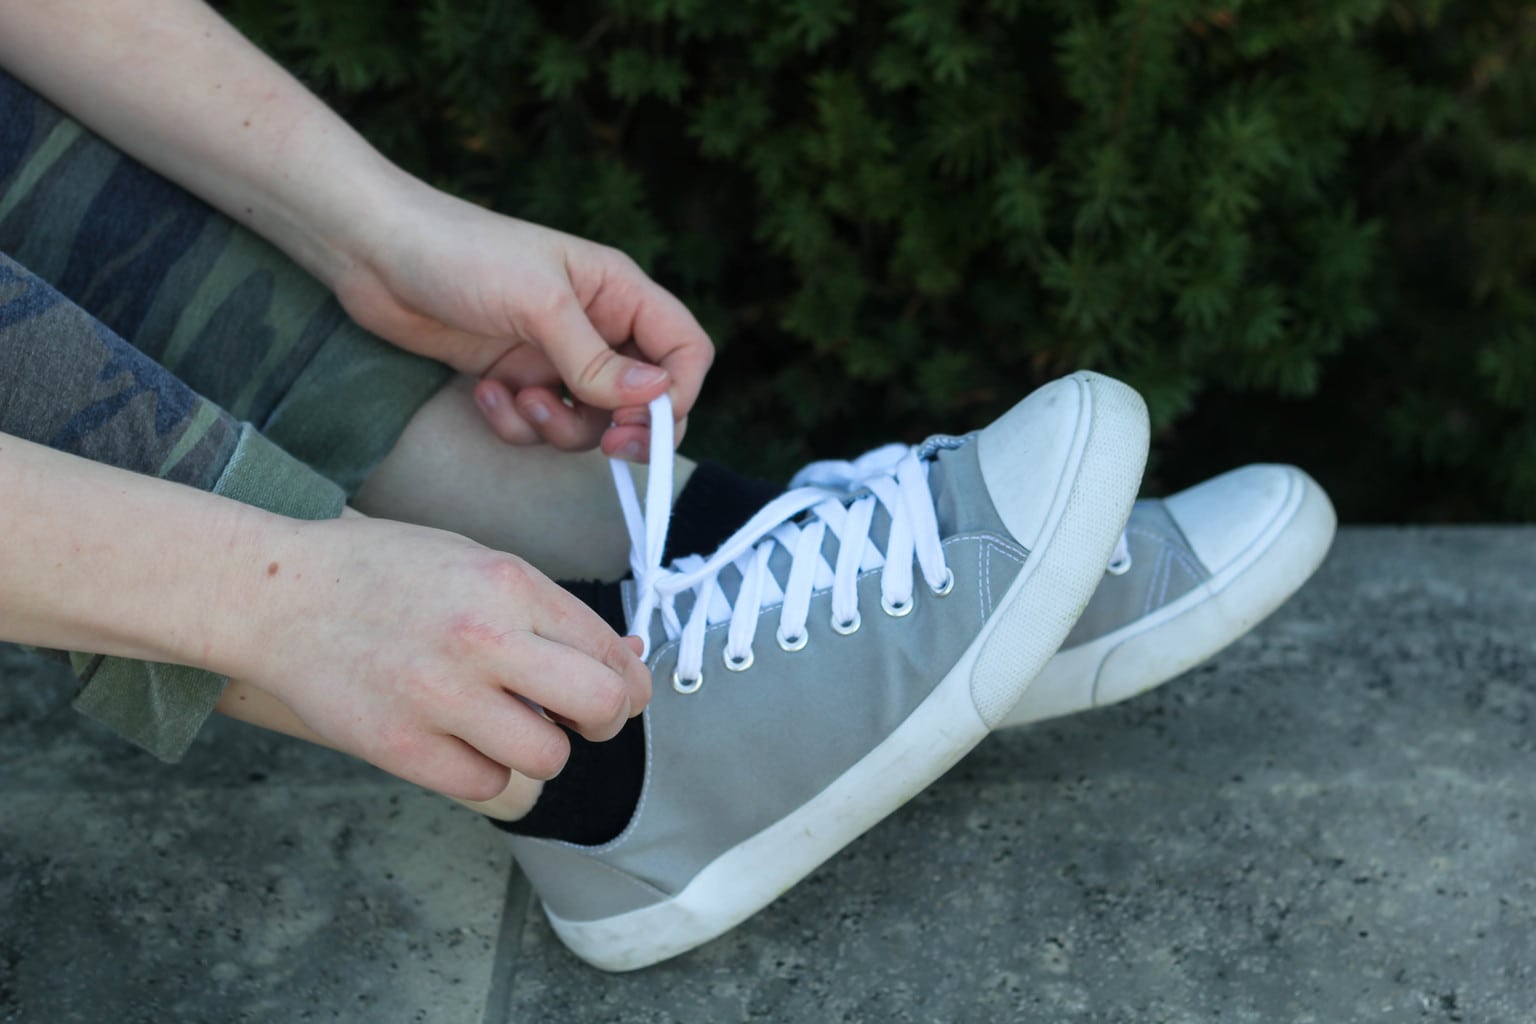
[[411, 648]]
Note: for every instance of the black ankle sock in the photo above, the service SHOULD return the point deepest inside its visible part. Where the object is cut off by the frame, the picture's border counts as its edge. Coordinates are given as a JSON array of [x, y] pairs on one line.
[[594, 796], [591, 801]]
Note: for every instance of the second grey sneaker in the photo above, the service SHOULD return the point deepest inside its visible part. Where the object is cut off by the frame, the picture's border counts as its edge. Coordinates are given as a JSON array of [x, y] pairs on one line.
[[1193, 572], [835, 656]]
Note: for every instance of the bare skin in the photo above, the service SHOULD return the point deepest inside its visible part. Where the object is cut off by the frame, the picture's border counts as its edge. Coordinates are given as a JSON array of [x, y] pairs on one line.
[[440, 635], [556, 509]]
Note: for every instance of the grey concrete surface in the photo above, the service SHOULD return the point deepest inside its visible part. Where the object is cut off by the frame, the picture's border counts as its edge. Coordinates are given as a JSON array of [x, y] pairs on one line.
[[259, 880], [1331, 822]]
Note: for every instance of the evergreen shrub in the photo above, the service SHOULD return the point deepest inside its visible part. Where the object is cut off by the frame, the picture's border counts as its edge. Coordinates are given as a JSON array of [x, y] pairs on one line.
[[1305, 230]]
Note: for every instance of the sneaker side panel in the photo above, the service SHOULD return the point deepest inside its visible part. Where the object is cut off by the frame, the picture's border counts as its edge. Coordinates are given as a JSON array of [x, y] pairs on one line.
[[1283, 551]]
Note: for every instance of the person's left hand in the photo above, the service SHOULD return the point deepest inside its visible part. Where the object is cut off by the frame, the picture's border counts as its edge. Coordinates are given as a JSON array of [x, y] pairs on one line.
[[525, 309]]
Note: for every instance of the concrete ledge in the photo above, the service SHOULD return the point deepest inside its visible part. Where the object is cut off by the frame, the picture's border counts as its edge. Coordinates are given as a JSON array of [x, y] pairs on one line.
[[1331, 822]]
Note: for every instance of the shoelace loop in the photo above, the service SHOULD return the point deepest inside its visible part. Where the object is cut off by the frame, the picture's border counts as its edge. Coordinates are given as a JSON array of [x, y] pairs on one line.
[[840, 498]]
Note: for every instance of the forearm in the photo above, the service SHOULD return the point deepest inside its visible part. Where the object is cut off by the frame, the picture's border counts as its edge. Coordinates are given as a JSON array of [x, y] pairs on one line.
[[102, 560], [175, 86]]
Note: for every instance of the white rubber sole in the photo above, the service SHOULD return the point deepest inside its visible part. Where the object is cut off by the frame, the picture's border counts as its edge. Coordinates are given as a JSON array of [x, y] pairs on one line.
[[1086, 517], [1156, 648]]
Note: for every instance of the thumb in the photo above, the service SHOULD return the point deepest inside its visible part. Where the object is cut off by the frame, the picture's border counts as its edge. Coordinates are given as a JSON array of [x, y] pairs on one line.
[[594, 371]]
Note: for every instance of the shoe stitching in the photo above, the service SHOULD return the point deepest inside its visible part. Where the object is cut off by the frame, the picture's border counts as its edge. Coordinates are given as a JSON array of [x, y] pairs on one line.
[[1015, 555], [1172, 547], [984, 574], [1167, 577], [1158, 568]]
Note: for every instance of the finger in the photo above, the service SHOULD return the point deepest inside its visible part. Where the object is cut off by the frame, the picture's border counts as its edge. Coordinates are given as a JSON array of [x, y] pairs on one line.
[[565, 621], [569, 428], [632, 416], [593, 698], [509, 732], [666, 334], [495, 402], [595, 373], [449, 766], [633, 443]]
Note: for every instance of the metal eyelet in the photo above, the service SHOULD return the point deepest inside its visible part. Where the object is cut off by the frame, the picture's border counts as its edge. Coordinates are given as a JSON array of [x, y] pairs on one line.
[[851, 626], [1119, 567], [792, 643], [688, 685], [738, 665], [896, 611], [946, 586]]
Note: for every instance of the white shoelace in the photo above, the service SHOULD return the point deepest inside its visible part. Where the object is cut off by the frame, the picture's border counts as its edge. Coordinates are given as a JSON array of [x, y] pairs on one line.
[[827, 494], [829, 491]]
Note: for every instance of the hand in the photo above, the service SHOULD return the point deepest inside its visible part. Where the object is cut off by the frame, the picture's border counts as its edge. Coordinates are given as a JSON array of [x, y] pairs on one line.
[[525, 308], [419, 650]]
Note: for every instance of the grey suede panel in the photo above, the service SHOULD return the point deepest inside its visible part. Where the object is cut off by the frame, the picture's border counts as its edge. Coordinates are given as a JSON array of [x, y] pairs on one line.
[[1163, 569], [750, 747]]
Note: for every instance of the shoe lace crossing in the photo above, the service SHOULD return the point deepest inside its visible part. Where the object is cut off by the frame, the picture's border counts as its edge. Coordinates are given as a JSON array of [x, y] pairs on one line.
[[836, 498], [847, 477]]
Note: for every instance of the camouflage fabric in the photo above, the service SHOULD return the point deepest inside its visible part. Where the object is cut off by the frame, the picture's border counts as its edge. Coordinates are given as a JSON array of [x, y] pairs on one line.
[[139, 328], [228, 314]]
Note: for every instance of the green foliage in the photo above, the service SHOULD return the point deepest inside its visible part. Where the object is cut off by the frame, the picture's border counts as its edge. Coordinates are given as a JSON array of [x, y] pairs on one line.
[[1304, 230]]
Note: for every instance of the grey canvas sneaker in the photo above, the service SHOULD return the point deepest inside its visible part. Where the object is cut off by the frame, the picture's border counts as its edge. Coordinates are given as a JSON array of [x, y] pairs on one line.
[[835, 656], [1193, 572]]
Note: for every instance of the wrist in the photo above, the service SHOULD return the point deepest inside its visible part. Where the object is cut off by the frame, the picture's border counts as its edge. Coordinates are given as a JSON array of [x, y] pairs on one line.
[[226, 614], [335, 232]]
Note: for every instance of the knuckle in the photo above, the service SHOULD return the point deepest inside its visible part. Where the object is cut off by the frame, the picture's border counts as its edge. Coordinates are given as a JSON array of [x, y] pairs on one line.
[[592, 371], [399, 744], [485, 782], [554, 305], [509, 572], [622, 262], [546, 754], [609, 700]]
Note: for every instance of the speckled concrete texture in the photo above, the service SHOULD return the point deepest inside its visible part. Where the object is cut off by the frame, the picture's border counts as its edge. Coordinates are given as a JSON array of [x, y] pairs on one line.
[[259, 880], [1334, 821]]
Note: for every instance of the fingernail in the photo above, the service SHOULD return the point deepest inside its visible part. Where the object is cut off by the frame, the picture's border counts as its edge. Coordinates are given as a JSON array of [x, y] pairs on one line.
[[631, 452], [536, 411], [640, 377], [489, 398]]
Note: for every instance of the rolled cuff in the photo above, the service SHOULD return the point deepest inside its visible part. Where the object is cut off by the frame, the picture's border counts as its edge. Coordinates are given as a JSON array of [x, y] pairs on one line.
[[161, 707]]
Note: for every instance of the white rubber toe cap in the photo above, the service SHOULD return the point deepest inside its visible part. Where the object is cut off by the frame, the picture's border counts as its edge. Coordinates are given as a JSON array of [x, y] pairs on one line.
[[1031, 456], [1225, 516]]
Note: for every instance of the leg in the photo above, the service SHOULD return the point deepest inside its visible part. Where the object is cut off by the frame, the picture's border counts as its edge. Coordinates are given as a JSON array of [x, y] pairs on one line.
[[556, 509]]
